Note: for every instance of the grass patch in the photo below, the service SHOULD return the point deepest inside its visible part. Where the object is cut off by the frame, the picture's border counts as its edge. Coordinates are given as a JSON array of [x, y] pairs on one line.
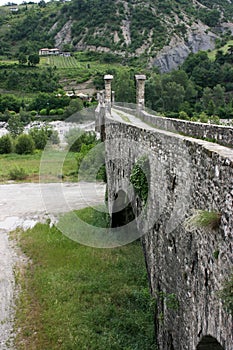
[[123, 116], [77, 297], [31, 165], [203, 219], [212, 54]]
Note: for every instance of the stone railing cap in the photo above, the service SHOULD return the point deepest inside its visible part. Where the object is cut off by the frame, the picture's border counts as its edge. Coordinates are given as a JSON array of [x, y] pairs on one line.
[[108, 77], [140, 77]]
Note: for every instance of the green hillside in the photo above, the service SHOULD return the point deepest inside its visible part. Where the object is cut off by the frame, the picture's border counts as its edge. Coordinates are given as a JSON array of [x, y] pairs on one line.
[[130, 27]]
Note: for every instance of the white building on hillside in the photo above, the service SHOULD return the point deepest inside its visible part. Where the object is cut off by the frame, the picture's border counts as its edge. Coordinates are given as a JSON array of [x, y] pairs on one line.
[[45, 52]]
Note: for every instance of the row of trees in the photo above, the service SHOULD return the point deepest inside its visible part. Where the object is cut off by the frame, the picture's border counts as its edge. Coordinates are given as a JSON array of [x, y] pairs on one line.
[[18, 142], [32, 59], [43, 104], [202, 89]]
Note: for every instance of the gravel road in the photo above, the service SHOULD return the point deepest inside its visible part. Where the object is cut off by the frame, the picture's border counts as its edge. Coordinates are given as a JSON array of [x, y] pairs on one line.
[[23, 205]]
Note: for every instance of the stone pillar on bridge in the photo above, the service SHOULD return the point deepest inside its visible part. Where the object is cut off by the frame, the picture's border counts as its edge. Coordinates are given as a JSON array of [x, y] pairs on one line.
[[140, 91], [113, 97], [102, 115], [108, 90]]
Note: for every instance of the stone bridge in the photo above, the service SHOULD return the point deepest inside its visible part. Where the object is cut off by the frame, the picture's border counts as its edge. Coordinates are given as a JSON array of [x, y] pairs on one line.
[[186, 177]]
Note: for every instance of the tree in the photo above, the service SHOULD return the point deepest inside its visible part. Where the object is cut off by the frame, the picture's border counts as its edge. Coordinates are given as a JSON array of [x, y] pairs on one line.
[[22, 58], [153, 93], [219, 95], [15, 125], [33, 59], [13, 80], [39, 136], [206, 97], [75, 106], [124, 87], [173, 96]]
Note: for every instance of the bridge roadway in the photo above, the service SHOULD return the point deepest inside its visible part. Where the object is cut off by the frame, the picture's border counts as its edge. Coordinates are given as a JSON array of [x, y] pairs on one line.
[[131, 119]]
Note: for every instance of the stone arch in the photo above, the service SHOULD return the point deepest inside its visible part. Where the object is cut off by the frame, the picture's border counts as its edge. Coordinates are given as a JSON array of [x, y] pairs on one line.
[[122, 212], [209, 343]]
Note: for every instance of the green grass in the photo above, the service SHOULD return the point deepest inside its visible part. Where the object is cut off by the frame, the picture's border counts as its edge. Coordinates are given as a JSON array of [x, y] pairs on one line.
[[31, 164], [77, 297], [224, 48], [203, 219], [123, 116]]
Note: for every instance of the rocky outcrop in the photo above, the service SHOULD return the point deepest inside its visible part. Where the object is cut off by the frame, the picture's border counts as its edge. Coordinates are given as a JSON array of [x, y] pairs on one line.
[[198, 37], [64, 35]]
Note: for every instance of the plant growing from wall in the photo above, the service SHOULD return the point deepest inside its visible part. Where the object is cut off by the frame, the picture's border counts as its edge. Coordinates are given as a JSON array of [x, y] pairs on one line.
[[139, 178], [226, 294], [170, 299], [203, 219]]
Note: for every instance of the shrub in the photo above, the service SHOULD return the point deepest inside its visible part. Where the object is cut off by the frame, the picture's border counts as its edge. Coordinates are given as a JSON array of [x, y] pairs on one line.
[[54, 137], [17, 173], [52, 112], [39, 136], [76, 138], [43, 111], [33, 113], [139, 178], [24, 144], [60, 111], [183, 115], [226, 294], [6, 144]]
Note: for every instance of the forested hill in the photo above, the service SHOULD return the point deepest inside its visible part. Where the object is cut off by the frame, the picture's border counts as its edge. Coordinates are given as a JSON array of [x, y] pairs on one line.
[[163, 31]]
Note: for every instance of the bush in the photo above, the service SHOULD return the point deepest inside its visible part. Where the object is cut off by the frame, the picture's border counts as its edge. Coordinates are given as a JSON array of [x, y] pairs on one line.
[[226, 294], [76, 138], [17, 173], [54, 137], [52, 112], [140, 178], [24, 144], [6, 144], [39, 136], [43, 111], [60, 111], [33, 113]]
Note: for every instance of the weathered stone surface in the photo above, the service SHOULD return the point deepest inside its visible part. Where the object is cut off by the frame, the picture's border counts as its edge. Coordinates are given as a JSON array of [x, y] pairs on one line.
[[185, 174], [198, 37], [220, 133]]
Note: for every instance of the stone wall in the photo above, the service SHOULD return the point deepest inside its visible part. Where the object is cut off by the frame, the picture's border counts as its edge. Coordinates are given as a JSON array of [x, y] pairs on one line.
[[220, 133], [184, 267]]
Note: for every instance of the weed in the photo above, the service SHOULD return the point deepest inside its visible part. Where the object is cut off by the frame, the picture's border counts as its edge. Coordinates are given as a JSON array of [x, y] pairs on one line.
[[17, 173], [203, 219], [139, 178], [226, 294]]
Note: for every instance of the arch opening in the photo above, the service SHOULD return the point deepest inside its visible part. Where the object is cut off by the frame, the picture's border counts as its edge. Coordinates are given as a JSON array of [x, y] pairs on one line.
[[122, 210], [209, 343]]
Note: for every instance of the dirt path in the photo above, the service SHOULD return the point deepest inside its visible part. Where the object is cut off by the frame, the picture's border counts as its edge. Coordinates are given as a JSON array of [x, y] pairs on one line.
[[24, 205]]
